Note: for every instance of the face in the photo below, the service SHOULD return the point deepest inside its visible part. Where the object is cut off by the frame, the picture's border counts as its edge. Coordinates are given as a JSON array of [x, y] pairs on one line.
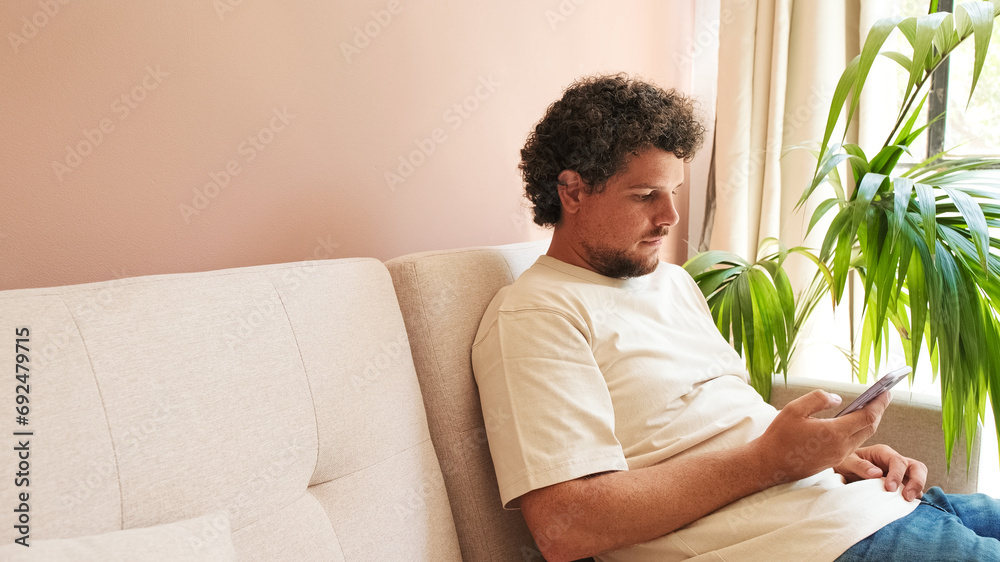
[[620, 229]]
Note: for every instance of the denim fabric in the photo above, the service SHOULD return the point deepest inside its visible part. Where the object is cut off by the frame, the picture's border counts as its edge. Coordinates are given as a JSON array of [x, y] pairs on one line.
[[944, 527]]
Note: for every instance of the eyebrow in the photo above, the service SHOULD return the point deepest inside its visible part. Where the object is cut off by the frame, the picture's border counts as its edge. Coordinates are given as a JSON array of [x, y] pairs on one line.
[[639, 186]]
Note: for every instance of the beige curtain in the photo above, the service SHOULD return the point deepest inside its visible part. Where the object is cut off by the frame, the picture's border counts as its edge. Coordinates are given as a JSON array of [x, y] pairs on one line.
[[779, 62]]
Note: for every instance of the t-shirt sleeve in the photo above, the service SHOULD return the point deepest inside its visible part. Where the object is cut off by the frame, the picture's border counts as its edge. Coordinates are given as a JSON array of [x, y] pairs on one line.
[[548, 413]]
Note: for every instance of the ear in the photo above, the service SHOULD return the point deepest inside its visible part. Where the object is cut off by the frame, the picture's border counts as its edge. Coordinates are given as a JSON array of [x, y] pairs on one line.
[[571, 190]]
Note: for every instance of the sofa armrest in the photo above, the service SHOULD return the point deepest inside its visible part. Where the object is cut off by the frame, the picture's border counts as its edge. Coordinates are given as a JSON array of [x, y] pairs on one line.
[[911, 425]]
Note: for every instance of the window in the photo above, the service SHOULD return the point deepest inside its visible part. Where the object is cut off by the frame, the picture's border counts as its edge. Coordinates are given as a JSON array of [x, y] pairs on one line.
[[964, 131]]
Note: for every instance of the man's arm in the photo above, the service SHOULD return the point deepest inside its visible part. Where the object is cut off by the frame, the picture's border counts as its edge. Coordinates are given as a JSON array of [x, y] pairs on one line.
[[587, 516]]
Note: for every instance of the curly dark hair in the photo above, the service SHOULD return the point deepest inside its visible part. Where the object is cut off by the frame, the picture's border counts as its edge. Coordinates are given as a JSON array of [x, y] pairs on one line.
[[592, 130]]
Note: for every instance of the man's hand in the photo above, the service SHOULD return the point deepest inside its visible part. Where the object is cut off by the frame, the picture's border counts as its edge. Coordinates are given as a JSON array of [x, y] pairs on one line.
[[881, 460], [798, 445]]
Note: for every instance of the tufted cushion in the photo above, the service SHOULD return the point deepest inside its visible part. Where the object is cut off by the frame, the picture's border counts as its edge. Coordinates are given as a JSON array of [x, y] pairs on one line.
[[282, 394]]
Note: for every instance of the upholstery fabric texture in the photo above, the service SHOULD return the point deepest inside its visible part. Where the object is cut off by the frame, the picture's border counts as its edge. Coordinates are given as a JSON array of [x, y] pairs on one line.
[[202, 539], [443, 296]]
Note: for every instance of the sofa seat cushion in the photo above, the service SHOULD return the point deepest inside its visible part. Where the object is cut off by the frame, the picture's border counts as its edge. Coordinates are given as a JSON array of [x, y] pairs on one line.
[[202, 539]]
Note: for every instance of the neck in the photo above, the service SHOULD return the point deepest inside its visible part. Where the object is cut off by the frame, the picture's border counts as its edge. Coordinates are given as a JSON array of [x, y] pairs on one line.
[[563, 248]]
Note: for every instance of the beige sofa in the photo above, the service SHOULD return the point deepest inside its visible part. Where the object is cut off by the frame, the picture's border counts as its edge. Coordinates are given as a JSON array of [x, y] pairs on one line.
[[305, 411]]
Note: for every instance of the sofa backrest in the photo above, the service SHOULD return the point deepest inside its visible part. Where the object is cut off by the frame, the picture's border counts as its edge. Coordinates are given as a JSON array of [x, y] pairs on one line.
[[283, 394], [443, 296]]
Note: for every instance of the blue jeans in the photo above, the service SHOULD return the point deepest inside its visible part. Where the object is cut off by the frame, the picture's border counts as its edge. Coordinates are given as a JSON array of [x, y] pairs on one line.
[[944, 527]]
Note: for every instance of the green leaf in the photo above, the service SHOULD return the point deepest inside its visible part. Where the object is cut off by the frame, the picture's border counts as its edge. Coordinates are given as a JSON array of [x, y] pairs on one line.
[[975, 219], [868, 330], [830, 163], [915, 286], [841, 263], [900, 58], [926, 27], [837, 185], [859, 162], [902, 190], [786, 296], [946, 38], [833, 231], [927, 206], [736, 315], [866, 192], [710, 281], [840, 93], [821, 211], [980, 16], [887, 158], [705, 260], [904, 137], [877, 35], [908, 27]]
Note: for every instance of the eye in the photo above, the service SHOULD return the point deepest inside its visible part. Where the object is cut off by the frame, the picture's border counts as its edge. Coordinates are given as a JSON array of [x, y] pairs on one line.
[[644, 197]]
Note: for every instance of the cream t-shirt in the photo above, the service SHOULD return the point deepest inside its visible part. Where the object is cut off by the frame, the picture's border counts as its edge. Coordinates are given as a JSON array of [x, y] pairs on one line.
[[579, 373]]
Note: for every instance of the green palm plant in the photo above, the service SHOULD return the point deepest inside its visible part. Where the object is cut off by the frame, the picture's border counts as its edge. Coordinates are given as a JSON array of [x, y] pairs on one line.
[[918, 239]]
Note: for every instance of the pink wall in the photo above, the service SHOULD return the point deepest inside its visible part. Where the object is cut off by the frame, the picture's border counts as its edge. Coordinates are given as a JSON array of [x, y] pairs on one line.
[[115, 118]]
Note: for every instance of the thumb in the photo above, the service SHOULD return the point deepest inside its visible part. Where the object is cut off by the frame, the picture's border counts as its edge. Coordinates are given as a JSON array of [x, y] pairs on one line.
[[816, 401]]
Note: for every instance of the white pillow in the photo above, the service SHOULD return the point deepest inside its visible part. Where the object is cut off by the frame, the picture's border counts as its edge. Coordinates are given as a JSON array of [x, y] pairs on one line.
[[205, 538]]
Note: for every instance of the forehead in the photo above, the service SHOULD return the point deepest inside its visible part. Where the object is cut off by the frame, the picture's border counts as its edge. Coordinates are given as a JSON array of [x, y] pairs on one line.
[[653, 166]]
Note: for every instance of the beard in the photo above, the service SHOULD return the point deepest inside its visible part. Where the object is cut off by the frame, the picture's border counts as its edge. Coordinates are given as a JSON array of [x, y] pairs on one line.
[[615, 263]]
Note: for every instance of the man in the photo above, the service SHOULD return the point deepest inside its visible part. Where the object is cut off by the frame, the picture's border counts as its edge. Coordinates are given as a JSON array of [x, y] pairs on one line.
[[633, 433]]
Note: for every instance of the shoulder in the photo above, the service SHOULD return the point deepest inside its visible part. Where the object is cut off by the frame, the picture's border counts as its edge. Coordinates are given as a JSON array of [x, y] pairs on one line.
[[542, 293], [541, 287]]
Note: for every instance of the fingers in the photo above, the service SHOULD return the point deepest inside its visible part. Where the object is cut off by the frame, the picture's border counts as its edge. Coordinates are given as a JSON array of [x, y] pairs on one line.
[[857, 468], [865, 421], [896, 471], [899, 470], [916, 477], [815, 401]]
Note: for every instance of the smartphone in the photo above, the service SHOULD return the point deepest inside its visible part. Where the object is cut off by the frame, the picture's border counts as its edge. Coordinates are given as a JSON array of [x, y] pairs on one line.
[[887, 381]]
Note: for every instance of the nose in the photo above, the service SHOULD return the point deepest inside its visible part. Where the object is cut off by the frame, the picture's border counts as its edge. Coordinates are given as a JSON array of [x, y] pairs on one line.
[[666, 213]]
